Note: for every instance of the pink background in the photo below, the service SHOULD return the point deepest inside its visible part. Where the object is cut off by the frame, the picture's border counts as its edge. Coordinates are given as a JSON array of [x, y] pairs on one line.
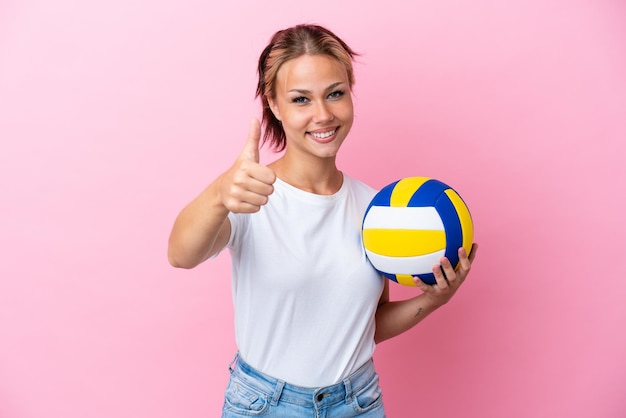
[[113, 115]]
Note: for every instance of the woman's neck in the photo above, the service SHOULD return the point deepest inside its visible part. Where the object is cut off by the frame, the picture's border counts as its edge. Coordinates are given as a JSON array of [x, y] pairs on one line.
[[322, 179]]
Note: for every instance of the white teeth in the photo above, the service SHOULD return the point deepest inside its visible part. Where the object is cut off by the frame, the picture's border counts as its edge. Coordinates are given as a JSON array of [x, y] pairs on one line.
[[323, 135]]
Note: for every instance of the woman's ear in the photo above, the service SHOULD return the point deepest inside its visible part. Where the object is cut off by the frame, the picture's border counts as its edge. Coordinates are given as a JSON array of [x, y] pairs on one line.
[[274, 108]]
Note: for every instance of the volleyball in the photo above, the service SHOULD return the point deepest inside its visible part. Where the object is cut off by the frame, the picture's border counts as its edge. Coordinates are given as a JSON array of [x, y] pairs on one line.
[[410, 224]]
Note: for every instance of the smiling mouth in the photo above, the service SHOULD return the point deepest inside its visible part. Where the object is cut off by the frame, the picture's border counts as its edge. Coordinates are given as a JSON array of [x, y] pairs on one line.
[[323, 135]]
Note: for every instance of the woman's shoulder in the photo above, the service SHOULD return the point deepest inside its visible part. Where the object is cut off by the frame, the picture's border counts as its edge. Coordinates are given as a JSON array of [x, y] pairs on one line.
[[359, 187]]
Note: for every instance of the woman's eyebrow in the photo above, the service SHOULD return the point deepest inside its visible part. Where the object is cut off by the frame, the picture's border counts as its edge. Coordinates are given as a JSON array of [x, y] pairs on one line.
[[304, 91]]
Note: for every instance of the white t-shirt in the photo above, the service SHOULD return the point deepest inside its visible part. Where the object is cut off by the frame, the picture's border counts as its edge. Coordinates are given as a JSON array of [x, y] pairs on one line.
[[304, 293]]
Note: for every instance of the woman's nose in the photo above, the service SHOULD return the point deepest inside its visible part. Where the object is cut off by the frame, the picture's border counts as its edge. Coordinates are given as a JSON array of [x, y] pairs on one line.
[[322, 113]]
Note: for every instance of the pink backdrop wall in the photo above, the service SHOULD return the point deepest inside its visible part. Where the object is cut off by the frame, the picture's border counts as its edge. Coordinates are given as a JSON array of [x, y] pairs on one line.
[[114, 114]]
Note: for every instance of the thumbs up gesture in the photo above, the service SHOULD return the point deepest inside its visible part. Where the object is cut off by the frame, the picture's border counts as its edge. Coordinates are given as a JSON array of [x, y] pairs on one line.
[[246, 186]]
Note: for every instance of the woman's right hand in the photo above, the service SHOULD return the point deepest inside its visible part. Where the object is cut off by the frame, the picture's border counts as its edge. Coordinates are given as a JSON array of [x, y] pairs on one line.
[[247, 185]]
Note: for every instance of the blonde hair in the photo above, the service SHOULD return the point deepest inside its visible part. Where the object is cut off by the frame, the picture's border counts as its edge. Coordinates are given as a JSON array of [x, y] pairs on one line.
[[286, 45]]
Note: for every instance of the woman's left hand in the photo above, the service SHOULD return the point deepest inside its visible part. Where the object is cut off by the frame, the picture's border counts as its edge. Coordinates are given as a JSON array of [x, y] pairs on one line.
[[448, 280]]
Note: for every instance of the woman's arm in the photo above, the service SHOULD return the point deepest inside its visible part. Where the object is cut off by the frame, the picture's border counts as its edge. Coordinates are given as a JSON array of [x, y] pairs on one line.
[[394, 318], [202, 228]]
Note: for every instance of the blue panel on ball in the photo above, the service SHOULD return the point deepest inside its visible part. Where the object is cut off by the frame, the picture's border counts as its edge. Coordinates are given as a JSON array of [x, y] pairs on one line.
[[428, 278], [382, 198], [389, 276], [452, 225], [427, 194]]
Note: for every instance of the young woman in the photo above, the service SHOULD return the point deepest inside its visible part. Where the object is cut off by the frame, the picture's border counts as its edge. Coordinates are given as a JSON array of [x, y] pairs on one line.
[[309, 308]]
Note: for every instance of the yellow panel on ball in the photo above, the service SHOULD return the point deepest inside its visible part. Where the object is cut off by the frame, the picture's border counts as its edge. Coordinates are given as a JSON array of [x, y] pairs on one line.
[[404, 190], [467, 226], [403, 242]]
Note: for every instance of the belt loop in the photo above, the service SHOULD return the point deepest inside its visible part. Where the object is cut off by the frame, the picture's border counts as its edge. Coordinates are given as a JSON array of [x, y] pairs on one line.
[[348, 385], [231, 365], [278, 391]]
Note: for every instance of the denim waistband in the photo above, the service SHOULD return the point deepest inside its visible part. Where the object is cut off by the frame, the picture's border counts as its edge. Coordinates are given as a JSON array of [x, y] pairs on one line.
[[277, 389]]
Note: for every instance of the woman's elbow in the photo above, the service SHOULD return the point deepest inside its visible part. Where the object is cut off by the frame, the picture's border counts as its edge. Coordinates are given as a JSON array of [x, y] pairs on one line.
[[180, 262]]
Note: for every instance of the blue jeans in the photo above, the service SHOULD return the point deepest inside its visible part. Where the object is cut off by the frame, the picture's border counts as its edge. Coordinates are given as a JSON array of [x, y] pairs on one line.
[[251, 393]]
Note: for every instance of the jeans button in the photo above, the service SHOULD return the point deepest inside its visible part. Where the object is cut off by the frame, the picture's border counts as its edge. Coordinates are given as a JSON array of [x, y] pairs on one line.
[[320, 397]]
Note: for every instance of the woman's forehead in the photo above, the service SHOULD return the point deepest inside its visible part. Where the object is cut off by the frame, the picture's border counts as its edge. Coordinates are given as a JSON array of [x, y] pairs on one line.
[[311, 71]]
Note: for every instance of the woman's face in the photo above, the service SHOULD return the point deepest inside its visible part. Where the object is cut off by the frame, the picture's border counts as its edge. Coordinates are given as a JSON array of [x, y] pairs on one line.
[[314, 104]]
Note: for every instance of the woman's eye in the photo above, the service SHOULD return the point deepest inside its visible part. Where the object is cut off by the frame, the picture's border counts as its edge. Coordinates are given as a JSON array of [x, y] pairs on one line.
[[336, 94], [300, 99]]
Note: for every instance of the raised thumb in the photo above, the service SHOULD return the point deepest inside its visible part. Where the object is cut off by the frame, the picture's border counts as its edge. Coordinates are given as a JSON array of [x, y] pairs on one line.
[[251, 149]]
